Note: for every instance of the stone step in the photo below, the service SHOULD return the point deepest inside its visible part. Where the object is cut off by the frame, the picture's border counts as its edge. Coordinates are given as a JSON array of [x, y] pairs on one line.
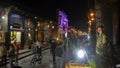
[[24, 53]]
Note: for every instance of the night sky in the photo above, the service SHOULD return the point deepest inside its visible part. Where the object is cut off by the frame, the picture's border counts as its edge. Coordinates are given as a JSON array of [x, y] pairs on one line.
[[76, 10]]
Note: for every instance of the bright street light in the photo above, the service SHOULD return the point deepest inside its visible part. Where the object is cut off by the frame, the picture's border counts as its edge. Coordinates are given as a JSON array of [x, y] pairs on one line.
[[92, 19], [91, 14], [3, 17], [80, 54], [35, 17]]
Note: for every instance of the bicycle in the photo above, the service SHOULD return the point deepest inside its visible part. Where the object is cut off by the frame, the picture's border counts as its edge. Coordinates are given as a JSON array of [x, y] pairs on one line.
[[37, 58]]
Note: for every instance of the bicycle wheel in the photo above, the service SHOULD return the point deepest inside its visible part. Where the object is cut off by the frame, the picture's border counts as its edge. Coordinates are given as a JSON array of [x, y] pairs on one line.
[[39, 59], [33, 62]]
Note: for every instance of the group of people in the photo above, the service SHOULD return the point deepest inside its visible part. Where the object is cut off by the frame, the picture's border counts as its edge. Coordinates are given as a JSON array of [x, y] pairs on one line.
[[11, 53], [57, 51], [103, 50], [37, 47]]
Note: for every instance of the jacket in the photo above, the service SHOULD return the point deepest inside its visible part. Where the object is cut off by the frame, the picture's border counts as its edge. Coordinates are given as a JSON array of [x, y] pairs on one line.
[[101, 41], [59, 51]]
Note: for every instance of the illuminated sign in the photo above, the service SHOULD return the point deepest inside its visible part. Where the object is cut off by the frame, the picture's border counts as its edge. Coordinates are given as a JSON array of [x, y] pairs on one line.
[[15, 21]]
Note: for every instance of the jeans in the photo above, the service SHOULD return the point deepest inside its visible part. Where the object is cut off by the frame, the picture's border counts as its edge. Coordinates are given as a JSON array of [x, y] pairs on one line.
[[59, 62], [11, 61], [53, 56], [16, 59]]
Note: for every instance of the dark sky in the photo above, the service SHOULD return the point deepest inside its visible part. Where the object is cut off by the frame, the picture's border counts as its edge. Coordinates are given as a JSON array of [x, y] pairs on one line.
[[76, 10]]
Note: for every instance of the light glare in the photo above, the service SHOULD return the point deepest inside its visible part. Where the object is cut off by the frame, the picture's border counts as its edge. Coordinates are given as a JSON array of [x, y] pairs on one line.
[[80, 53], [3, 17]]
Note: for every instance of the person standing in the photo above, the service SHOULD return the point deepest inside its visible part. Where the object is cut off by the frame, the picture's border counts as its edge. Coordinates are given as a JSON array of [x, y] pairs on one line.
[[101, 42]]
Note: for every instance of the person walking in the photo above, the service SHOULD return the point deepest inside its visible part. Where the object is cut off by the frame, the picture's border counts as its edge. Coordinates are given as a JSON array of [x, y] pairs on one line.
[[53, 46], [17, 47], [11, 54], [59, 54]]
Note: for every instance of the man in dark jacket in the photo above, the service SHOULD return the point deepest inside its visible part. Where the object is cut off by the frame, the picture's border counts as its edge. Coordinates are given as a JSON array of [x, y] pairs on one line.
[[53, 46]]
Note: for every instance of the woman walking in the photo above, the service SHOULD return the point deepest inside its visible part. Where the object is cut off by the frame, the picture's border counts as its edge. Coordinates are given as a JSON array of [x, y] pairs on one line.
[[11, 54]]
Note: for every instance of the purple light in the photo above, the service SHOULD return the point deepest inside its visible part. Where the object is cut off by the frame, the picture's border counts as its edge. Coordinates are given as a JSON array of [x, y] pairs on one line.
[[63, 21]]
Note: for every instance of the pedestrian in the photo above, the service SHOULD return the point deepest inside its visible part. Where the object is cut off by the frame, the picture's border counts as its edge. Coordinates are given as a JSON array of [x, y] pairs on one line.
[[59, 54], [102, 49], [50, 46], [37, 43], [3, 54], [11, 54], [39, 50], [17, 47], [53, 46]]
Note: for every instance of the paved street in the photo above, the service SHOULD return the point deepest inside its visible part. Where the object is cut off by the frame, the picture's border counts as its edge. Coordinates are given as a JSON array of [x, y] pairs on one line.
[[46, 61]]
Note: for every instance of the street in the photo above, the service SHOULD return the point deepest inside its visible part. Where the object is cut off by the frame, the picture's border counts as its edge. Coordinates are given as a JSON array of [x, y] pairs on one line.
[[46, 61]]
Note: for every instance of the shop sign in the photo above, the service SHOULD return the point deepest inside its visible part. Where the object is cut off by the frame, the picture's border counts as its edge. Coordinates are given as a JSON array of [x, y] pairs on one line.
[[16, 21]]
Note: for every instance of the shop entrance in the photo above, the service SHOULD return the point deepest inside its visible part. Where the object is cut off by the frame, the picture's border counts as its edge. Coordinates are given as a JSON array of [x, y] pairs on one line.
[[15, 36]]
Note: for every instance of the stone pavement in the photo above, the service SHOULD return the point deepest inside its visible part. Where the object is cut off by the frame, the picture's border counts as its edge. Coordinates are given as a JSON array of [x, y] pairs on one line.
[[46, 61]]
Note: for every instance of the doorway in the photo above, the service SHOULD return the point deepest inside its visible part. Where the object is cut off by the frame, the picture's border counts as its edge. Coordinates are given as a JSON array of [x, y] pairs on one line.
[[15, 36]]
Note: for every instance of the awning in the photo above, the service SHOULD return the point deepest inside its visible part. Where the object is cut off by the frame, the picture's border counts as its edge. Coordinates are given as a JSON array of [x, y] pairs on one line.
[[16, 29]]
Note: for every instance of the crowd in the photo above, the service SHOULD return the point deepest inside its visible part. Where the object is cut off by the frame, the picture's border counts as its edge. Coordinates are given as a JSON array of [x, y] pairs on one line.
[[62, 49], [103, 49]]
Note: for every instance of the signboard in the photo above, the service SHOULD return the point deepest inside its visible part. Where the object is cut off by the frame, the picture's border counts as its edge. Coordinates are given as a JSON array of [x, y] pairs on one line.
[[15, 21]]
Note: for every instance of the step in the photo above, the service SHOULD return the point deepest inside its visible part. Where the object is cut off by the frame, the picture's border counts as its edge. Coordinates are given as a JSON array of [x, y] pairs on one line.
[[25, 53]]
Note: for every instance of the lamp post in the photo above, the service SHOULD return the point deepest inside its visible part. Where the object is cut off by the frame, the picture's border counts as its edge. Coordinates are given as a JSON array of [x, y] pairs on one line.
[[91, 18], [92, 29], [36, 34]]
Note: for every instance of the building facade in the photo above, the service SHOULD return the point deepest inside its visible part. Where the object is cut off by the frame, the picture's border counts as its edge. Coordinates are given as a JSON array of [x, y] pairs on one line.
[[24, 29], [12, 24]]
